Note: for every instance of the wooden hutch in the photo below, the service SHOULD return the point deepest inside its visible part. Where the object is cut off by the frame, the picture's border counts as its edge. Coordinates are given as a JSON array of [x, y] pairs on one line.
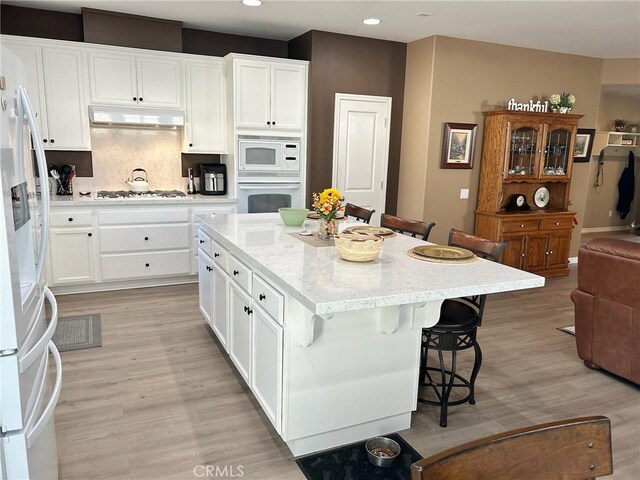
[[523, 199]]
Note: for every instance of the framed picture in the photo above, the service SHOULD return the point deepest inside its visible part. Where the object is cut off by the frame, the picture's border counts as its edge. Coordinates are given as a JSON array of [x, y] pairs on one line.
[[584, 143], [458, 145]]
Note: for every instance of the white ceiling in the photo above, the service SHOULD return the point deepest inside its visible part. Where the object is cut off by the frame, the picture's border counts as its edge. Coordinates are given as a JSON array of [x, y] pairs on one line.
[[596, 28]]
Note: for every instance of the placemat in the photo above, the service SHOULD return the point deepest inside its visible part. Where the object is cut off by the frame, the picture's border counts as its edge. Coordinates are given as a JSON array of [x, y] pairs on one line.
[[412, 254], [313, 240]]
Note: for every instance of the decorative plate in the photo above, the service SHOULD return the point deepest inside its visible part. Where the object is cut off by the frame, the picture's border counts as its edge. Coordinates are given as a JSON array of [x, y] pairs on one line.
[[443, 252], [632, 128], [541, 197], [377, 231]]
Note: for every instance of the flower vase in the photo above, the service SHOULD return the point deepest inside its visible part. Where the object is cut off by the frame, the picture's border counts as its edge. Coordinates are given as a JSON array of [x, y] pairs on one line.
[[327, 228], [554, 109]]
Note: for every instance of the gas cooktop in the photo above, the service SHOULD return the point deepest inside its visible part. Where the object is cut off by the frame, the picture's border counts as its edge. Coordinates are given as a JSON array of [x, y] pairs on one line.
[[149, 194]]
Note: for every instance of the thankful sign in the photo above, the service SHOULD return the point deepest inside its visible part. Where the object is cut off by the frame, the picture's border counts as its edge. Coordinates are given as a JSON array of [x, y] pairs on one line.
[[528, 106]]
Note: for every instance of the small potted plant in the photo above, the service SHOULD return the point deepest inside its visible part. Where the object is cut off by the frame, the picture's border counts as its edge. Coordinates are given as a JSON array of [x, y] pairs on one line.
[[618, 124]]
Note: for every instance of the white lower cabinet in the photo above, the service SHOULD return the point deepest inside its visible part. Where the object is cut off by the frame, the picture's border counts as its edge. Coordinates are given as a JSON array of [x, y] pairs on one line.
[[220, 303], [72, 255], [240, 315], [205, 290], [266, 365]]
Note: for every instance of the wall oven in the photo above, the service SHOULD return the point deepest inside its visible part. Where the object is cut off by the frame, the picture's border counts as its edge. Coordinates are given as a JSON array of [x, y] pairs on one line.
[[268, 197], [260, 154]]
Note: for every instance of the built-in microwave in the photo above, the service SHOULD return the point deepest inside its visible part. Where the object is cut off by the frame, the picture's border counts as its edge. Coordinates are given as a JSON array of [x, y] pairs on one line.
[[260, 154]]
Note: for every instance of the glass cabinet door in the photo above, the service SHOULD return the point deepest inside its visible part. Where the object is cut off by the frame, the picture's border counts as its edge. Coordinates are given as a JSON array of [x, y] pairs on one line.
[[557, 153], [522, 151]]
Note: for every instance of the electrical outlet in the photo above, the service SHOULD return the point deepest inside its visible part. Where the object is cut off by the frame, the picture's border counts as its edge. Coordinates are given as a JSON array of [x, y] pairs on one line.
[[611, 213], [464, 193]]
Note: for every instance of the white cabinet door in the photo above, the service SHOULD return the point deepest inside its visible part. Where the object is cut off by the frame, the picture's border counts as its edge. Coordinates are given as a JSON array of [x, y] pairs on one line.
[[240, 331], [288, 96], [112, 78], [266, 365], [205, 110], [252, 92], [73, 255], [31, 56], [159, 82], [205, 282], [220, 302]]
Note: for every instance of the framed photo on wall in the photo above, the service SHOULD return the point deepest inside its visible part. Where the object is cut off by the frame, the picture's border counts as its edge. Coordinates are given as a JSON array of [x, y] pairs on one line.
[[458, 145], [584, 143]]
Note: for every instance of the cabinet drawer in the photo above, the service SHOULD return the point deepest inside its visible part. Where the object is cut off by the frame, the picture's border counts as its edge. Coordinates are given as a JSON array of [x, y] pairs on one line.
[[70, 219], [145, 237], [240, 273], [513, 226], [268, 298], [562, 223], [142, 265], [136, 217], [204, 242], [220, 256]]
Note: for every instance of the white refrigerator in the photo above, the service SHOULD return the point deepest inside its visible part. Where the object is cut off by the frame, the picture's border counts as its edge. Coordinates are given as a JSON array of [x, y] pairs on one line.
[[28, 397]]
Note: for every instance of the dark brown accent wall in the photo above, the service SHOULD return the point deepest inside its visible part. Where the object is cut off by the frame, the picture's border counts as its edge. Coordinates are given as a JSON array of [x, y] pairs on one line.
[[32, 22], [348, 64], [217, 44], [194, 160], [113, 28], [82, 161]]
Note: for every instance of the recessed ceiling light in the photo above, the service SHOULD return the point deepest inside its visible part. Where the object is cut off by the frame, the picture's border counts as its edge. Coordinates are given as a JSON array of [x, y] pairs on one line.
[[252, 3], [422, 14], [371, 21]]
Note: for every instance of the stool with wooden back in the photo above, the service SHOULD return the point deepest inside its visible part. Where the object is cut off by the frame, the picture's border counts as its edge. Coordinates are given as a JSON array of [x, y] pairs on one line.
[[359, 213], [407, 226]]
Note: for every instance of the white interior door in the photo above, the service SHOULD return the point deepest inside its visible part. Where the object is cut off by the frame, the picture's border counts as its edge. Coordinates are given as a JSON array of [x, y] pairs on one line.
[[361, 150]]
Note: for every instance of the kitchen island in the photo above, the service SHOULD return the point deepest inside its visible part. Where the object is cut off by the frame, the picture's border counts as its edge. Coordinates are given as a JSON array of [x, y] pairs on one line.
[[329, 348]]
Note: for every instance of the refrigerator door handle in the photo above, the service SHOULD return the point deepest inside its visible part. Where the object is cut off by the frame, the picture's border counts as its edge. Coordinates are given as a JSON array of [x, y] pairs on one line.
[[28, 358], [34, 432], [43, 171]]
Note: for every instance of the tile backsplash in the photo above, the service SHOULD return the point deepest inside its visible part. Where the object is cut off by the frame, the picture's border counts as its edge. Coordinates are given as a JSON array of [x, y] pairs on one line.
[[117, 151]]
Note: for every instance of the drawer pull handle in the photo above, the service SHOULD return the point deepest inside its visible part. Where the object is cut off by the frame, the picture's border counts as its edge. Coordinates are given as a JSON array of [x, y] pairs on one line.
[[551, 252], [89, 234], [249, 311], [201, 242], [146, 264], [146, 238], [216, 255], [522, 254], [557, 224], [71, 219], [522, 225], [235, 273], [246, 309], [262, 296]]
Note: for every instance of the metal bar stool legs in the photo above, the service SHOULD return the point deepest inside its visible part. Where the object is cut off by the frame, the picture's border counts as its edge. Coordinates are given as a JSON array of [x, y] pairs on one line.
[[447, 376]]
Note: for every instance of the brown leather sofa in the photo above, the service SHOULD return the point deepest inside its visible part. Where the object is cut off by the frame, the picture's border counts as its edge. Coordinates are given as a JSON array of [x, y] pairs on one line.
[[607, 306]]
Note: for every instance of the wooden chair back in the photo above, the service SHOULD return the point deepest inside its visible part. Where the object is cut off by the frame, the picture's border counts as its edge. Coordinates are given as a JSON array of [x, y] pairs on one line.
[[480, 246], [359, 213], [575, 449], [404, 225]]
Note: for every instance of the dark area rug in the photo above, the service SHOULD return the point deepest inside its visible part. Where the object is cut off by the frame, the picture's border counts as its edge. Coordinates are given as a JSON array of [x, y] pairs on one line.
[[78, 332], [351, 463]]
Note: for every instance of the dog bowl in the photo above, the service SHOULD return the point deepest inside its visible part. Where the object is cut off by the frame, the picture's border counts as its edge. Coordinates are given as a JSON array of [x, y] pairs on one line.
[[294, 217], [382, 451]]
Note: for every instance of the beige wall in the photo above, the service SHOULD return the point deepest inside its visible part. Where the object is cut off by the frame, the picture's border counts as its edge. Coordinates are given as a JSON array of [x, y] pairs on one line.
[[621, 71], [415, 128], [472, 77]]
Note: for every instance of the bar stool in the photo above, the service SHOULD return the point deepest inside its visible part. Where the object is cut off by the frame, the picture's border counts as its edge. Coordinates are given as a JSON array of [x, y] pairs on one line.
[[359, 213], [455, 331], [404, 225]]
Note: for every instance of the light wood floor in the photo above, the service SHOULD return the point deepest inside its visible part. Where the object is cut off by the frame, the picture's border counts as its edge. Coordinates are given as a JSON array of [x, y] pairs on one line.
[[160, 398]]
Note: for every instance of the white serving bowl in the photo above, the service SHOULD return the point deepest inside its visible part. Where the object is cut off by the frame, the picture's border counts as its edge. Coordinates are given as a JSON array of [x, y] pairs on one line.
[[358, 247]]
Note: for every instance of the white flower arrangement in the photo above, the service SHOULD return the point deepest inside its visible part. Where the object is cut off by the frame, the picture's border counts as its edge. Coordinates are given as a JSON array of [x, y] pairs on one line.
[[562, 101], [554, 99]]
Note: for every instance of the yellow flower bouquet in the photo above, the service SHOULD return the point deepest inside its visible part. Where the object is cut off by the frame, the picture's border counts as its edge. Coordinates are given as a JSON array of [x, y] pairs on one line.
[[327, 205]]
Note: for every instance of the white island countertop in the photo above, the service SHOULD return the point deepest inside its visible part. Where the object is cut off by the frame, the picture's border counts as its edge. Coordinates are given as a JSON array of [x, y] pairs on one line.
[[325, 284]]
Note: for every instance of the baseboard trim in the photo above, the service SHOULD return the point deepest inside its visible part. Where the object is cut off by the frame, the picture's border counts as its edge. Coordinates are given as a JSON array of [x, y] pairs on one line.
[[122, 285], [606, 229]]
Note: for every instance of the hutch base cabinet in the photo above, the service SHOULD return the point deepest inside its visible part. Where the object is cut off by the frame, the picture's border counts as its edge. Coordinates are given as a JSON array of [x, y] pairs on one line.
[[523, 199]]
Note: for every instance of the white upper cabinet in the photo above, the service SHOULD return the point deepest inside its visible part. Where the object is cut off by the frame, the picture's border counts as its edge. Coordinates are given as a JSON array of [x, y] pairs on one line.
[[57, 88], [205, 111], [118, 78], [270, 95]]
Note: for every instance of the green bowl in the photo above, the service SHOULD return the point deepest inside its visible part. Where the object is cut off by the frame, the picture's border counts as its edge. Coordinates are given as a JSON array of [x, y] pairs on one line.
[[294, 217]]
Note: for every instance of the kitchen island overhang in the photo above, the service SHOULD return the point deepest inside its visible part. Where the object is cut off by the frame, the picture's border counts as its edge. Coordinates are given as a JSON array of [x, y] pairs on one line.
[[350, 335]]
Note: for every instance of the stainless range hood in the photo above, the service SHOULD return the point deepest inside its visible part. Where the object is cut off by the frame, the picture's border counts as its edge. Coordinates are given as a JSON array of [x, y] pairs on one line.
[[143, 117]]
